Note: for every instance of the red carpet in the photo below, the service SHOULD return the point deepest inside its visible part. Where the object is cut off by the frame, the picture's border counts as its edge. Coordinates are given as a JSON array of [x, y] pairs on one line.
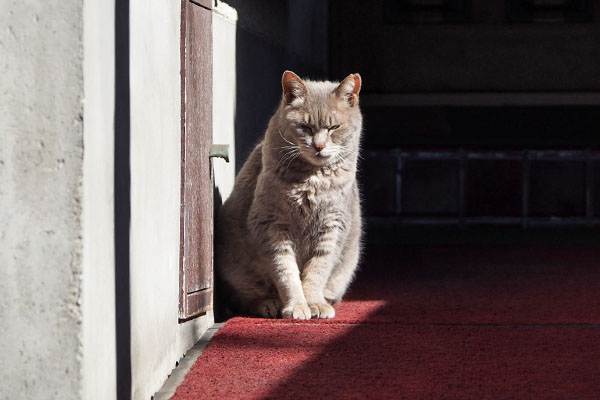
[[439, 322]]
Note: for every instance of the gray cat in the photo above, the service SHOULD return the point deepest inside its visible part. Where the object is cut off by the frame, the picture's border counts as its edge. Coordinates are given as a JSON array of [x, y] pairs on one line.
[[289, 234]]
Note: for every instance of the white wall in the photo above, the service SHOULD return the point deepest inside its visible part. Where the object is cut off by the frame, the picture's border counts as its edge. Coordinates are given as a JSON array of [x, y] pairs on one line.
[[224, 92], [41, 148], [98, 266], [157, 339]]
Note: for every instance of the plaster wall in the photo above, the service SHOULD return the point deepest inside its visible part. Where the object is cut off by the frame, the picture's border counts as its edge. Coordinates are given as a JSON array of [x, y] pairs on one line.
[[98, 263], [41, 152], [157, 339], [224, 92]]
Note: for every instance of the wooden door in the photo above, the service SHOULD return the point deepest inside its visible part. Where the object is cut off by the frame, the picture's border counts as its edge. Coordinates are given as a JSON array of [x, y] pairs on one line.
[[196, 258]]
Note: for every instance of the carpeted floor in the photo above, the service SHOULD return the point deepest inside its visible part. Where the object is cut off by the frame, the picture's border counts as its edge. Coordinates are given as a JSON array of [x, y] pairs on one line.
[[476, 322]]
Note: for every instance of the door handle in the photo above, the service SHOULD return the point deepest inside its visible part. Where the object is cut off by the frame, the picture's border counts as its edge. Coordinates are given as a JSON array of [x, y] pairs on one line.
[[219, 150]]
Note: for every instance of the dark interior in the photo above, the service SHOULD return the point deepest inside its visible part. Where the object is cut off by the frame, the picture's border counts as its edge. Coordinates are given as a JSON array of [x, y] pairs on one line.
[[479, 115], [480, 178], [487, 127]]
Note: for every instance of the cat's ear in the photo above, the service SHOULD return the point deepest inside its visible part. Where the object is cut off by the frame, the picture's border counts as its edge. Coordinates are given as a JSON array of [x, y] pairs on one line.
[[293, 87], [349, 89]]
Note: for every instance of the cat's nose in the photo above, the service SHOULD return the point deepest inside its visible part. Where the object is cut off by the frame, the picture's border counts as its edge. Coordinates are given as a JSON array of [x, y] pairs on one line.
[[319, 146]]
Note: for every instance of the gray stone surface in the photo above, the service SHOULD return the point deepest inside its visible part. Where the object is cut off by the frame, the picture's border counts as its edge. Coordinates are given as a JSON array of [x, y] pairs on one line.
[[41, 151]]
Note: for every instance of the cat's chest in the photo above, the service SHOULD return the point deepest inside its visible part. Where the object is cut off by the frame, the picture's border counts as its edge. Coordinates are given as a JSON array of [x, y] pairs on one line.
[[310, 193]]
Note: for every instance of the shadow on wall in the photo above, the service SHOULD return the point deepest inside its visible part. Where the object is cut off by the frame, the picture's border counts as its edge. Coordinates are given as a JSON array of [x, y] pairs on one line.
[[273, 36], [122, 198], [220, 310]]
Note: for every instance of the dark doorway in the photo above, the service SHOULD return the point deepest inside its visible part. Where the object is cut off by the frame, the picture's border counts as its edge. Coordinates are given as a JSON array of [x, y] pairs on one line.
[[477, 113]]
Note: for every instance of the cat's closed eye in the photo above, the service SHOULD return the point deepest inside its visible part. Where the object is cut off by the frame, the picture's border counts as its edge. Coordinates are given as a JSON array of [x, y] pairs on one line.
[[306, 128], [333, 128]]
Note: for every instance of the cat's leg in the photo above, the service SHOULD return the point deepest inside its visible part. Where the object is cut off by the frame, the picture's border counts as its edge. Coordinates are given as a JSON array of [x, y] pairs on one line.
[[273, 238], [314, 278], [342, 275], [343, 272], [316, 273], [286, 277]]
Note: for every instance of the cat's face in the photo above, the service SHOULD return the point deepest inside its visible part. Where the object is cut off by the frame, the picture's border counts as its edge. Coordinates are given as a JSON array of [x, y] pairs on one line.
[[321, 118]]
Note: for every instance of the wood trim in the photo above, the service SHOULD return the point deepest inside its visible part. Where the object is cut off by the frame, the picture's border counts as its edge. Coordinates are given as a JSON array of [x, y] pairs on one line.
[[197, 304], [181, 202], [208, 4], [196, 211]]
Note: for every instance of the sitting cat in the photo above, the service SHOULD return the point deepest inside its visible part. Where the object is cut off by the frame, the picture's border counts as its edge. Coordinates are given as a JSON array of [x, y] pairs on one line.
[[289, 235]]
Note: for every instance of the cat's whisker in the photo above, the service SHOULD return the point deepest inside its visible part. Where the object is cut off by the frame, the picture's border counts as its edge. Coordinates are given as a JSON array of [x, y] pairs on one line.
[[286, 148], [285, 157], [282, 160], [348, 152], [289, 155], [286, 154], [281, 134], [292, 159], [353, 152]]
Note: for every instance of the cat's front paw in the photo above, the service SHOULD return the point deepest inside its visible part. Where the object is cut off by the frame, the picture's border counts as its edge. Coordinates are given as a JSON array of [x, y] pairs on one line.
[[298, 311], [321, 310]]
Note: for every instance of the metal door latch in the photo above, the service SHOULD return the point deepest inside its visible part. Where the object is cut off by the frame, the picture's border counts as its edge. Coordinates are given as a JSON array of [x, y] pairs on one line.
[[219, 150]]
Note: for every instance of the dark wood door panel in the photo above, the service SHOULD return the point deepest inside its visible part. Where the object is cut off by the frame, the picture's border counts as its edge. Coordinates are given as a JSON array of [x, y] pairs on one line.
[[196, 274]]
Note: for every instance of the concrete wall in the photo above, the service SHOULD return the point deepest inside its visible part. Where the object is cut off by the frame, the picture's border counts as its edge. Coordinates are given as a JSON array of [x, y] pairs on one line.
[[41, 151], [57, 200], [98, 264], [157, 339]]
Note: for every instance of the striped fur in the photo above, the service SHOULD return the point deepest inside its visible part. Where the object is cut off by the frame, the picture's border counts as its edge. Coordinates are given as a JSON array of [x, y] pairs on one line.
[[289, 235]]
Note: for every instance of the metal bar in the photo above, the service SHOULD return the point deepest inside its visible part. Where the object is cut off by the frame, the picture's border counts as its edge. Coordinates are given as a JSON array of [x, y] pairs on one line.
[[219, 150], [493, 220], [430, 155], [391, 221], [480, 99], [495, 156], [525, 194], [470, 221], [553, 155], [589, 189], [546, 155], [398, 184], [461, 155], [461, 187]]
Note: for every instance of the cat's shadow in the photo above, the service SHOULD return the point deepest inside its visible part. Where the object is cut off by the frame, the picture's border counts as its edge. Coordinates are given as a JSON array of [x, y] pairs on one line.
[[221, 310]]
